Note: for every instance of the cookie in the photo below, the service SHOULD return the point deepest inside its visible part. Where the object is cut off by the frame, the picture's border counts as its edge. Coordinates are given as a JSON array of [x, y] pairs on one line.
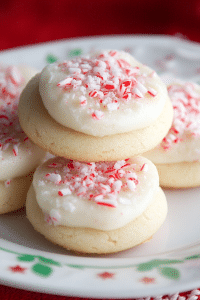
[[59, 140], [177, 156], [18, 155], [102, 207]]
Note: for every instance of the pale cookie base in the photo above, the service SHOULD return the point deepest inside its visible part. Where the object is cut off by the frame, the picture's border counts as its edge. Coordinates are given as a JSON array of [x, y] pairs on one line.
[[179, 175], [86, 240], [44, 131], [13, 196], [27, 72]]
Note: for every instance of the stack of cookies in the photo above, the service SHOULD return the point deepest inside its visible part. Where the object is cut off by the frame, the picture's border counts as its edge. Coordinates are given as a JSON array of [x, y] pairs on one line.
[[96, 114]]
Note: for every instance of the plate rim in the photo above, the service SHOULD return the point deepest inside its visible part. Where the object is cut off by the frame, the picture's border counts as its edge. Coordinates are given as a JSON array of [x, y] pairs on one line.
[[166, 37]]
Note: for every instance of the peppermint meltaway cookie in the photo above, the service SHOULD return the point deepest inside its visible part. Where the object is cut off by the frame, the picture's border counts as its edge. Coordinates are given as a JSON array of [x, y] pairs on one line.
[[18, 155], [177, 156], [101, 207], [101, 107]]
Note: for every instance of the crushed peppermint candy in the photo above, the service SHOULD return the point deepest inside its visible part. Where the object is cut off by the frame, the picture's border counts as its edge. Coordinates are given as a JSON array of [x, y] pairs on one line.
[[56, 178], [53, 218], [7, 183], [11, 132], [107, 79], [10, 84], [100, 182], [185, 99]]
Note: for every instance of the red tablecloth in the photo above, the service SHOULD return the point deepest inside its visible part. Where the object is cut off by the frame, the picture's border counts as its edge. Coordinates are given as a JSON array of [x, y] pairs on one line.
[[25, 22], [7, 293], [28, 22]]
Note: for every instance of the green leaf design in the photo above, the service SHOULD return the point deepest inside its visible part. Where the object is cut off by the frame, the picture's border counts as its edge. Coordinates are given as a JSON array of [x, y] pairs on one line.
[[170, 273], [155, 264], [26, 257], [42, 270], [147, 266], [51, 58], [76, 266], [75, 52], [48, 261], [193, 257]]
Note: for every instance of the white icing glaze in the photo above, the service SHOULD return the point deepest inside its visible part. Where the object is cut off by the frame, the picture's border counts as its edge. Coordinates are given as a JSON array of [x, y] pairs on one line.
[[81, 195], [28, 158], [107, 101], [182, 143], [18, 155]]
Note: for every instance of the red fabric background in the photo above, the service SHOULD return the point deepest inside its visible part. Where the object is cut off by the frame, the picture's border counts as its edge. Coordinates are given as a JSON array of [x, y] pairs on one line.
[[27, 22]]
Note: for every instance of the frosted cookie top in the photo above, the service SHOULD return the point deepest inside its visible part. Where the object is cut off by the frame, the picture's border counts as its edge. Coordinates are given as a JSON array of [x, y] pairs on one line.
[[105, 93], [182, 143], [103, 195], [15, 148]]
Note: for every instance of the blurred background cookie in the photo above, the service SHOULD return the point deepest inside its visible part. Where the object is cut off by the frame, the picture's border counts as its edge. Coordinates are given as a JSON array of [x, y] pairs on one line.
[[18, 155], [177, 156]]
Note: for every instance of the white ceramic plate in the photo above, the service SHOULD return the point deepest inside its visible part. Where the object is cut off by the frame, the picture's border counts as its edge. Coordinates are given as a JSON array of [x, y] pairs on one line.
[[169, 263]]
